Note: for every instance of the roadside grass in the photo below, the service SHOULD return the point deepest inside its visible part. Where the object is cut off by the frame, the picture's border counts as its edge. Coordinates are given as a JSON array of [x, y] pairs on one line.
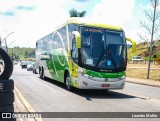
[[142, 71], [143, 65]]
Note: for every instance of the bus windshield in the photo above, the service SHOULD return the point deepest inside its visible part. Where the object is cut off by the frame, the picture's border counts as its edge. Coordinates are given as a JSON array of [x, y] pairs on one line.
[[103, 49]]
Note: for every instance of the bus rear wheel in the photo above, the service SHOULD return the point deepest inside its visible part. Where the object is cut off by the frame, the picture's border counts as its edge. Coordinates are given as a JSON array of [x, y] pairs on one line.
[[41, 73]]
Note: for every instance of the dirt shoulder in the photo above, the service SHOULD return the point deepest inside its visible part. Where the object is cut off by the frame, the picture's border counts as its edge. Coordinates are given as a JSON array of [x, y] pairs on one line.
[[140, 71]]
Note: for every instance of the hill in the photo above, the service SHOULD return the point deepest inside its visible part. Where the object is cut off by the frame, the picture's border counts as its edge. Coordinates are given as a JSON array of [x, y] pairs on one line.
[[142, 50]]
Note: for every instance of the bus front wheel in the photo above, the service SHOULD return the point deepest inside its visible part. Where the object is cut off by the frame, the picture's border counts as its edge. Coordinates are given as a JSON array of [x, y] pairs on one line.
[[68, 86]]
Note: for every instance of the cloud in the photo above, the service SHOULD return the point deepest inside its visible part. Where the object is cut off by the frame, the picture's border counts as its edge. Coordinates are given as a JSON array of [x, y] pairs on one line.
[[123, 13], [12, 7], [21, 7], [34, 19], [82, 0], [31, 20], [114, 11], [7, 13]]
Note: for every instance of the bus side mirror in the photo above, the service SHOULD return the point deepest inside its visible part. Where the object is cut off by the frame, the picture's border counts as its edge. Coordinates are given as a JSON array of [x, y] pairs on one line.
[[78, 39], [133, 44]]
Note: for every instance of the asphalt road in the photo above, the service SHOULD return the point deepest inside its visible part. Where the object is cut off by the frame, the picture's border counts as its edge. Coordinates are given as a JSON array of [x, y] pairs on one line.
[[50, 96]]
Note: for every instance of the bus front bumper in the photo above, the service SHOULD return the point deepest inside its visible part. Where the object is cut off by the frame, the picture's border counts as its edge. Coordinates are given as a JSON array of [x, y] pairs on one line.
[[100, 83]]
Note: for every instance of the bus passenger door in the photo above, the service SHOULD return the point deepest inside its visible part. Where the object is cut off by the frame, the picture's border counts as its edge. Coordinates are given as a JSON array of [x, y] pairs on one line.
[[74, 56]]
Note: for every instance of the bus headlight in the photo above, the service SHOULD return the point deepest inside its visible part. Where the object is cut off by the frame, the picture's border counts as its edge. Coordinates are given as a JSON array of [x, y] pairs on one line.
[[82, 71], [122, 77], [87, 76]]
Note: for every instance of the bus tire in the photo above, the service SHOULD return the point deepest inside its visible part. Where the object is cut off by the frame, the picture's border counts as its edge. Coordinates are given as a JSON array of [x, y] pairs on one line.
[[8, 69], [41, 73], [67, 82], [35, 72], [6, 85], [6, 98]]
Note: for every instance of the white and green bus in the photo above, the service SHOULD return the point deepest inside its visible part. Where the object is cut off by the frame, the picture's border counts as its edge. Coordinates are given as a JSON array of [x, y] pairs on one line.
[[84, 55]]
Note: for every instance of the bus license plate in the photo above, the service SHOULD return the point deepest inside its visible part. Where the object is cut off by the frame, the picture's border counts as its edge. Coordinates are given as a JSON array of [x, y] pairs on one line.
[[105, 85]]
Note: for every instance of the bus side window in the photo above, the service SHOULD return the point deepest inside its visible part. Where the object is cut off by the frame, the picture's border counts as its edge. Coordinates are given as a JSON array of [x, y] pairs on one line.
[[63, 34], [71, 28]]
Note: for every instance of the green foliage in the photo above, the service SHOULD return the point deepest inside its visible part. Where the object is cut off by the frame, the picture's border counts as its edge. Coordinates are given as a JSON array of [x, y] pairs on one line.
[[22, 53], [74, 13], [142, 50]]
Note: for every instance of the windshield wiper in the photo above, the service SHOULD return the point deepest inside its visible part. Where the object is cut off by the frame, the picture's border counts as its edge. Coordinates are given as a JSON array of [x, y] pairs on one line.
[[112, 59], [99, 60]]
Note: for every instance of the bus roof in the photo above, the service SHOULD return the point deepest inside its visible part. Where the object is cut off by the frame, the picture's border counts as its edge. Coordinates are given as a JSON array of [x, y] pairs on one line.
[[88, 22]]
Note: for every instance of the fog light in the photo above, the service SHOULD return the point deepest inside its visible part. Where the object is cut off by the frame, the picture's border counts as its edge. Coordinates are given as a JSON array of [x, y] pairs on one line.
[[122, 84]]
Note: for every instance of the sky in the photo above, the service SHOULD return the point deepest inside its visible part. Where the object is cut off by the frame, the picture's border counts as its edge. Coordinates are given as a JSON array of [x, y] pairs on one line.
[[26, 21]]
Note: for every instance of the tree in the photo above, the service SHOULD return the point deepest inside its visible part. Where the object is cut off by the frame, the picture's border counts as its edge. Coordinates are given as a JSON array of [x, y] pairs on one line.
[[26, 54], [148, 24], [74, 13], [152, 27]]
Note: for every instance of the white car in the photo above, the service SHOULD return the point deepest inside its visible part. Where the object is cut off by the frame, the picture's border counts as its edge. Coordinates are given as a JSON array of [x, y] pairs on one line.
[[137, 58], [30, 66]]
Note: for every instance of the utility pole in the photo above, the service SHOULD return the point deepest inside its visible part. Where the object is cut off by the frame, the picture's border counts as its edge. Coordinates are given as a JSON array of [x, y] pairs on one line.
[[151, 44], [12, 54], [6, 44], [5, 41]]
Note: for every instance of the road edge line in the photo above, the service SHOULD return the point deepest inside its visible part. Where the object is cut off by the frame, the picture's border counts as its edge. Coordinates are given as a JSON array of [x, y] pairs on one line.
[[25, 103], [143, 83], [140, 96]]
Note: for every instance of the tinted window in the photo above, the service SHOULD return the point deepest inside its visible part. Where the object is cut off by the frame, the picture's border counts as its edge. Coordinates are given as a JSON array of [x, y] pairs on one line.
[[71, 28], [63, 37]]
